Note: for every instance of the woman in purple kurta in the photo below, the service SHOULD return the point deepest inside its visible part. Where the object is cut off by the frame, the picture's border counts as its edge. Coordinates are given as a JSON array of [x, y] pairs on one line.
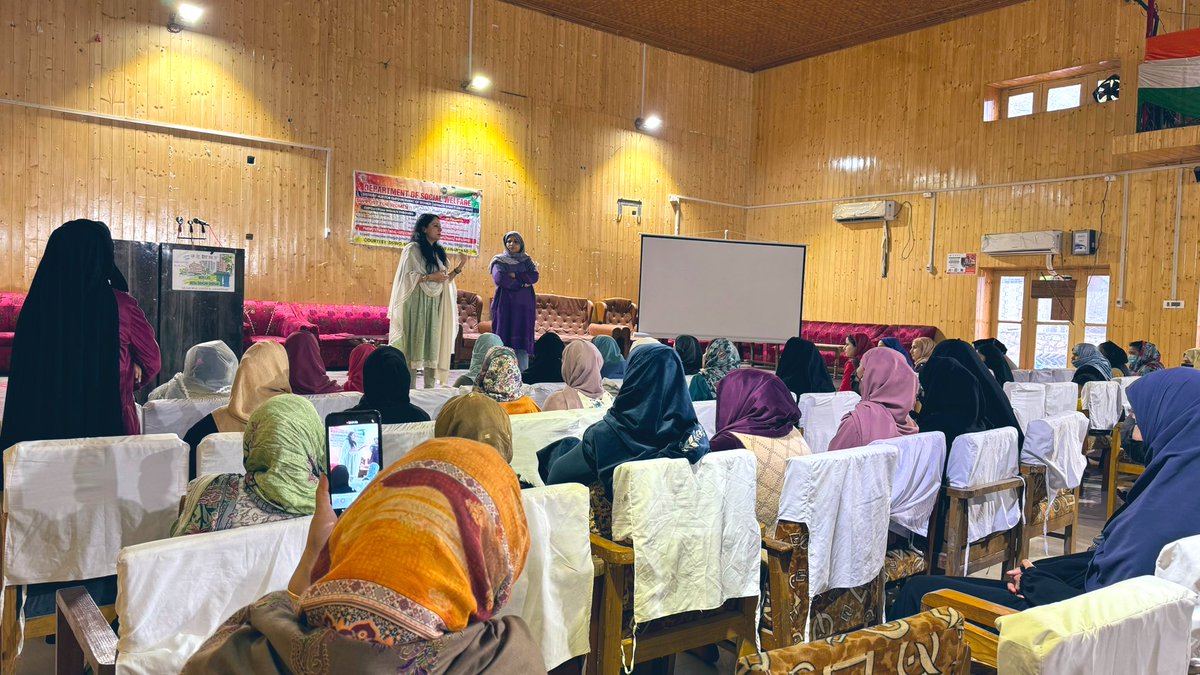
[[514, 305]]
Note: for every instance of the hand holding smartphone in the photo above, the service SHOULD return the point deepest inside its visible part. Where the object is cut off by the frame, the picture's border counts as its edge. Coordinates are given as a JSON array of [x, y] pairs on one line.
[[353, 440]]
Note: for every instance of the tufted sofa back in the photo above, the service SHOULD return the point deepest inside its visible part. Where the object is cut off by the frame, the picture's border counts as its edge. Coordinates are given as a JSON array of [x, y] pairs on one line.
[[619, 311], [470, 311], [563, 315], [364, 320]]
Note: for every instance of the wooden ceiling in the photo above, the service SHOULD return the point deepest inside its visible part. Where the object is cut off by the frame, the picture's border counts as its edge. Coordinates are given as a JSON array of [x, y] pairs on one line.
[[757, 34]]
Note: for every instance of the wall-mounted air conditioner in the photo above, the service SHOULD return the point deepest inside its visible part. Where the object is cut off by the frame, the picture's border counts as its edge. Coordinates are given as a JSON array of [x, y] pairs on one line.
[[1047, 242], [861, 212]]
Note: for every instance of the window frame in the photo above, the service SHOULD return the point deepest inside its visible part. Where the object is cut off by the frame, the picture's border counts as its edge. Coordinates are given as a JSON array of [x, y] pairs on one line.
[[997, 94], [1076, 327]]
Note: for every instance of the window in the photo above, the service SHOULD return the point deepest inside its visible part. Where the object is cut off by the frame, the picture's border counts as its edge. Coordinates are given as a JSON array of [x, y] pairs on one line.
[[1055, 91], [1028, 327], [1064, 97], [1020, 104]]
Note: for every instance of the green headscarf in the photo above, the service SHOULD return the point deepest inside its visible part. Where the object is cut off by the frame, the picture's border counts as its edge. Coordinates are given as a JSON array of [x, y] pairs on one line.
[[485, 342], [283, 450]]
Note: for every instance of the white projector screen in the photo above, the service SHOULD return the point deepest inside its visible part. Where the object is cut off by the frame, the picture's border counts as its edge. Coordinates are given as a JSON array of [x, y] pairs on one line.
[[742, 290]]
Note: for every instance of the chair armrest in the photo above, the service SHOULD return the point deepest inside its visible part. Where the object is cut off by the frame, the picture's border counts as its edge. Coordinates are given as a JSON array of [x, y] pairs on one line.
[[84, 636], [985, 489], [598, 567], [610, 552], [484, 327], [973, 609], [773, 545]]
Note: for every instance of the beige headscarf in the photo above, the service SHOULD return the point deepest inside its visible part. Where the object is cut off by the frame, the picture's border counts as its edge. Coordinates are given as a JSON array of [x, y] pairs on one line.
[[922, 348], [476, 417], [263, 373], [1192, 356]]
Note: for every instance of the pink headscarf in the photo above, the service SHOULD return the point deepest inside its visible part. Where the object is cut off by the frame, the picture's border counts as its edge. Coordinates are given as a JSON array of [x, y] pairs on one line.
[[889, 392], [358, 357], [581, 367], [306, 369]]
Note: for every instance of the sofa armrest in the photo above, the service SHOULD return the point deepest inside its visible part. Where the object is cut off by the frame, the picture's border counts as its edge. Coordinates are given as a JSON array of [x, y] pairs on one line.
[[597, 329], [84, 636], [484, 327]]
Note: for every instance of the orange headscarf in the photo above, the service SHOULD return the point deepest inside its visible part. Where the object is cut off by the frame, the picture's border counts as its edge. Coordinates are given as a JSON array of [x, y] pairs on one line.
[[434, 543]]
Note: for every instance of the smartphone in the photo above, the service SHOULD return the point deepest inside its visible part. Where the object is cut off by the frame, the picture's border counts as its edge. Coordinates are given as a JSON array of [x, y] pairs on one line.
[[353, 441]]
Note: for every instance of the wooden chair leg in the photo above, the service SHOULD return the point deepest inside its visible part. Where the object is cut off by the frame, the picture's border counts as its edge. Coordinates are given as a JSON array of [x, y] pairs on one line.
[[68, 655], [609, 637], [956, 537], [591, 665], [10, 632]]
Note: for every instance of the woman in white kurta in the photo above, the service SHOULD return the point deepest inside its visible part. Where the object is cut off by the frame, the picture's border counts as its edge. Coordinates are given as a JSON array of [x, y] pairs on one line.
[[423, 312]]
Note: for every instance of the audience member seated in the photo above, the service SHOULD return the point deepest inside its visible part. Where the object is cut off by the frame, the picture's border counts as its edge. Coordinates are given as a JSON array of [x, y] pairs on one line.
[[1000, 346], [1116, 357], [386, 388], [410, 578], [208, 371], [547, 360], [82, 345], [720, 359], [1090, 365], [610, 351], [995, 360], [581, 367], [894, 344], [889, 393], [995, 410], [651, 417], [689, 352], [922, 348], [476, 417], [1168, 409], [263, 373], [306, 369], [1191, 357], [640, 342], [358, 357], [951, 400], [755, 410], [483, 343], [802, 369], [1144, 358], [283, 450], [857, 345], [500, 380]]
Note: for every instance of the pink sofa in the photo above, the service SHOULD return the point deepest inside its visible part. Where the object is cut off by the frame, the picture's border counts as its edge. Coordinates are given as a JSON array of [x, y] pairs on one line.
[[835, 333], [10, 309]]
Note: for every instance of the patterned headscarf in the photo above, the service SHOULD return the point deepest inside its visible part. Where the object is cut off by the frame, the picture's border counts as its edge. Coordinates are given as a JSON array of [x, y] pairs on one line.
[[1086, 354], [358, 358], [1147, 358], [263, 373], [434, 543], [476, 417], [720, 359], [500, 377], [482, 345]]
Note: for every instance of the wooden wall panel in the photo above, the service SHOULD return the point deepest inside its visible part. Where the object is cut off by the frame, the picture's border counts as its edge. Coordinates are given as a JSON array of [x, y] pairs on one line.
[[552, 148], [905, 114]]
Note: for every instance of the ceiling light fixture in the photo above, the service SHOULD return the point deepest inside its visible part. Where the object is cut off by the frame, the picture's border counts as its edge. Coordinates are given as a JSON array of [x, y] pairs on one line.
[[186, 14], [475, 82], [646, 123]]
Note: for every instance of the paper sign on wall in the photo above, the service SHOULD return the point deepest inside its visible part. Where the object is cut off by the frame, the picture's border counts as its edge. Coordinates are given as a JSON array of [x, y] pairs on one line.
[[960, 263], [386, 209], [202, 271]]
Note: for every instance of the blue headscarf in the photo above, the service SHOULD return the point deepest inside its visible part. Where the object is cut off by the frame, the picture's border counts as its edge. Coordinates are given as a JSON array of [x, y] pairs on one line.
[[614, 363], [1086, 354], [1162, 504], [652, 417], [894, 343]]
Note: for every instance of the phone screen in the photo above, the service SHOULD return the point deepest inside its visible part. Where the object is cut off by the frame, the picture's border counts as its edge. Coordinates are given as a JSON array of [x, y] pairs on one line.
[[354, 459]]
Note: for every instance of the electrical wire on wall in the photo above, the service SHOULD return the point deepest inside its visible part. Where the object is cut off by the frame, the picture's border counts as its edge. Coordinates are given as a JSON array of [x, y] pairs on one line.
[[912, 237]]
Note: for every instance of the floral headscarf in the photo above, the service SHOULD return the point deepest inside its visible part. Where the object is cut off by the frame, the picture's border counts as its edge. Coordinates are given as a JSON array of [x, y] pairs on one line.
[[500, 377], [720, 359]]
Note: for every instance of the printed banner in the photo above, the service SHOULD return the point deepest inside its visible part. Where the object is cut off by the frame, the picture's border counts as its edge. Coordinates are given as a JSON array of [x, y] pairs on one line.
[[960, 263], [386, 210], [202, 271]]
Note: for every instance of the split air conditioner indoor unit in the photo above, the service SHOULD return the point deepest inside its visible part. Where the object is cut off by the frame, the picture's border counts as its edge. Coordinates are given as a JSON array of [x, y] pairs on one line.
[[862, 212], [1047, 242]]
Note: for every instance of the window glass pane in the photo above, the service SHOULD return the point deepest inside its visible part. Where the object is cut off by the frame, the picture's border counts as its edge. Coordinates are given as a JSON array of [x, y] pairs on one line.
[[1044, 306], [1010, 335], [1097, 299], [1062, 98], [1095, 334], [1012, 299], [1050, 345], [1020, 104]]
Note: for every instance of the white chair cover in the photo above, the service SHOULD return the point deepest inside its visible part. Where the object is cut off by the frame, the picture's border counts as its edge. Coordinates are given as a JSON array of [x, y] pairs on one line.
[[1125, 382], [432, 400], [554, 592], [541, 391], [1063, 374], [1056, 443], [335, 402], [1102, 401], [1139, 625], [176, 416], [1061, 397], [821, 415], [693, 528], [706, 414], [1041, 375], [1021, 375], [980, 458], [400, 439], [1179, 562], [844, 498], [534, 431], [917, 480], [1028, 400], [72, 505], [220, 453], [172, 594]]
